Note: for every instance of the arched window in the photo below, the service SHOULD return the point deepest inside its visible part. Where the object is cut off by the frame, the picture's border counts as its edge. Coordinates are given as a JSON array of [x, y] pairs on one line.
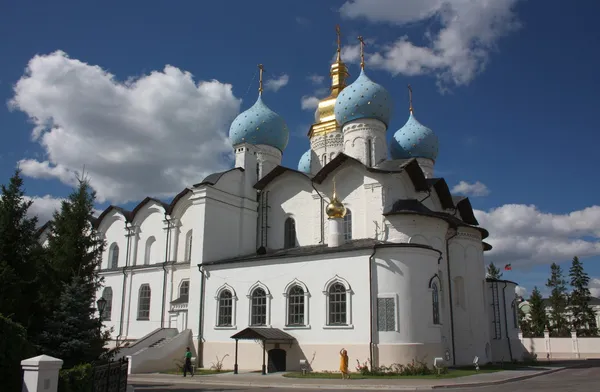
[[348, 225], [296, 306], [148, 256], [113, 256], [289, 240], [435, 302], [144, 302], [369, 152], [337, 305], [107, 294], [184, 288], [188, 245], [324, 159], [225, 318], [259, 307]]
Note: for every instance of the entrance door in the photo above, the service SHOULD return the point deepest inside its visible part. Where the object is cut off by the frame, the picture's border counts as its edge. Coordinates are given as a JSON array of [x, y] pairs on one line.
[[276, 360]]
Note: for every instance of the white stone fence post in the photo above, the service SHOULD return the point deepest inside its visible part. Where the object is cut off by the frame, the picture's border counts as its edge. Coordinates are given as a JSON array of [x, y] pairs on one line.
[[563, 348], [40, 374]]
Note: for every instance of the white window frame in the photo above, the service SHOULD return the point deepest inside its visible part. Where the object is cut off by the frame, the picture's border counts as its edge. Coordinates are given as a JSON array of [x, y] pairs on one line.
[[438, 282], [343, 282], [150, 241], [261, 285], [286, 293], [189, 236], [347, 221], [395, 297], [111, 253], [181, 284], [234, 300]]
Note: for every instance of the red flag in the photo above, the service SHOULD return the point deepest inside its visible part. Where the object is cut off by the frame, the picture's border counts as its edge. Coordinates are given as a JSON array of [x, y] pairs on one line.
[[508, 267]]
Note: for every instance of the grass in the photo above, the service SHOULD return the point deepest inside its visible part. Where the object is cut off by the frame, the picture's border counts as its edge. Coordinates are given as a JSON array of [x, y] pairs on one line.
[[197, 372], [452, 373]]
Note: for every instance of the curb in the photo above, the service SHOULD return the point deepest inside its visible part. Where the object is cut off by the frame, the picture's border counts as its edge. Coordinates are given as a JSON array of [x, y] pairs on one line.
[[500, 382]]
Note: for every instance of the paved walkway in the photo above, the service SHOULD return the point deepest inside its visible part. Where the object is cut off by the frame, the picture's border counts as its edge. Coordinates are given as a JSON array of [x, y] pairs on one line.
[[256, 380]]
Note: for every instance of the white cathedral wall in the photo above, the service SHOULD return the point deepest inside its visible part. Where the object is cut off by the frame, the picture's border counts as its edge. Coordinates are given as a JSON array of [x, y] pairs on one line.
[[113, 231], [150, 220], [509, 329], [357, 133]]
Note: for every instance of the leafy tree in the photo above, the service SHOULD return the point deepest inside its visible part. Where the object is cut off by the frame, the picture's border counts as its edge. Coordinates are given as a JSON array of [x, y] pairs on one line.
[[584, 319], [17, 247], [558, 301], [493, 272], [537, 314]]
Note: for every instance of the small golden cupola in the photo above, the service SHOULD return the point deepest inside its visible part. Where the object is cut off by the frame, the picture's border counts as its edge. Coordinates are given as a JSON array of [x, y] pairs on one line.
[[335, 209]]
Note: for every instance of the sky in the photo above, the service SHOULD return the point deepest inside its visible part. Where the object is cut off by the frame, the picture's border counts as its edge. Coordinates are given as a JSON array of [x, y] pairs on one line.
[[140, 95]]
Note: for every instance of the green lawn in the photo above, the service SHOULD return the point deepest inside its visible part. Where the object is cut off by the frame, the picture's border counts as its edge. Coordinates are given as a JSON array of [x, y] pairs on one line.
[[452, 373], [196, 372]]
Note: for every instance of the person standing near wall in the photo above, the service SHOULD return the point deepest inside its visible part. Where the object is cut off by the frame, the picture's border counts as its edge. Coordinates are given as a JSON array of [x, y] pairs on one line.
[[187, 366], [344, 363]]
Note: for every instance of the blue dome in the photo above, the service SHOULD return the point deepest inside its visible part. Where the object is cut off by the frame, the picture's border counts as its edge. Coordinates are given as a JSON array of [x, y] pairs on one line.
[[363, 99], [304, 163], [414, 140], [259, 125]]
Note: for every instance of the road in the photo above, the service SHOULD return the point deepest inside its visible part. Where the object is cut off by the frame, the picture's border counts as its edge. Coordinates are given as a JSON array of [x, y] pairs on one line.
[[571, 380]]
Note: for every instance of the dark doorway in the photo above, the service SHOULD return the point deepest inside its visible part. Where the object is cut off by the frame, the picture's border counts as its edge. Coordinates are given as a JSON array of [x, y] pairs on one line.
[[276, 360]]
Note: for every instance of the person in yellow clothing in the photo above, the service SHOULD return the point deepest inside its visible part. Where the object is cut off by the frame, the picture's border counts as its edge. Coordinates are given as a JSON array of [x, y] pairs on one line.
[[344, 363]]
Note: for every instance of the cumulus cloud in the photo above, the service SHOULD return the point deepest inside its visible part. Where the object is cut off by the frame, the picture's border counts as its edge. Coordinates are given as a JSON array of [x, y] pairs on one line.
[[309, 102], [520, 291], [277, 83], [595, 287], [523, 235], [476, 189], [458, 40], [43, 207], [150, 135], [316, 79]]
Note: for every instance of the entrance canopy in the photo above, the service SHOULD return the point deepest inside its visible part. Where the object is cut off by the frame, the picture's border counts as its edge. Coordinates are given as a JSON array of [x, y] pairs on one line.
[[263, 334]]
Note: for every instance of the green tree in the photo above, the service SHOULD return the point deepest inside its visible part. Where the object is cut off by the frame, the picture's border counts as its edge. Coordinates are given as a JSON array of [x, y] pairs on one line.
[[524, 323], [558, 301], [17, 247], [537, 314], [493, 272], [14, 347], [584, 319]]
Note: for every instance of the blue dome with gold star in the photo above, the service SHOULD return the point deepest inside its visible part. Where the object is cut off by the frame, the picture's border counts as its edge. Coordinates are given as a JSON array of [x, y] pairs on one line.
[[259, 125], [414, 140], [304, 163], [363, 99]]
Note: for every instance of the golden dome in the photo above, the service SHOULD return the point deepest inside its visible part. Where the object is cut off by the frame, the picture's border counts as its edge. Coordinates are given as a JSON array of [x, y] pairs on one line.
[[335, 209]]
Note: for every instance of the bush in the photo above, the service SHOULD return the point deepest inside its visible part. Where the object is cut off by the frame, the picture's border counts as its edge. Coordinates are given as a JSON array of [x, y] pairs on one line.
[[76, 379], [14, 347], [414, 368]]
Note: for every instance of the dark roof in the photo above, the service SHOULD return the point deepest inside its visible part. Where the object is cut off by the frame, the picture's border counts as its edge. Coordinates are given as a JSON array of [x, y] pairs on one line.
[[463, 204], [443, 192], [411, 166], [413, 206], [176, 199], [500, 281], [142, 203], [310, 250], [486, 246], [181, 300], [124, 212], [212, 179], [273, 174], [263, 333]]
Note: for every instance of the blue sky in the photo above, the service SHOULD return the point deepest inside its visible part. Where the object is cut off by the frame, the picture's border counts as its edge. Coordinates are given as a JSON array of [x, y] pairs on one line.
[[510, 88]]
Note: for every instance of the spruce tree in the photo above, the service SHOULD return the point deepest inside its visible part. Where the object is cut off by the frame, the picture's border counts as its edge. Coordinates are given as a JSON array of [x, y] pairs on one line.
[[493, 272], [74, 251], [17, 249], [537, 314], [583, 317], [558, 301]]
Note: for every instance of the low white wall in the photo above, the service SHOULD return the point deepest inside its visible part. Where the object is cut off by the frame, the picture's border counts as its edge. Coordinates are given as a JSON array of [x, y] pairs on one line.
[[163, 356], [151, 338], [562, 348]]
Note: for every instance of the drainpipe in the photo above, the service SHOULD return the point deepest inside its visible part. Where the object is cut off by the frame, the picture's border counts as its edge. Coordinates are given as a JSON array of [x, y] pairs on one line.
[[201, 317], [506, 321], [371, 312], [322, 214], [164, 267], [450, 296], [127, 249]]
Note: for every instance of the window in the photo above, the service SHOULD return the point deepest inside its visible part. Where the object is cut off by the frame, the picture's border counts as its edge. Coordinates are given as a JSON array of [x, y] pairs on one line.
[[435, 303], [148, 256], [114, 256], [386, 314], [369, 152], [348, 225], [289, 240], [184, 288], [337, 304], [296, 306], [107, 294], [225, 316], [258, 315], [188, 245], [144, 302]]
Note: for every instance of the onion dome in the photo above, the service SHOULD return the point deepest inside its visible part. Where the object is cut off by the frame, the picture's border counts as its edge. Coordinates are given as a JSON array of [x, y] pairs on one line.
[[304, 163], [414, 140], [335, 209], [259, 125], [363, 99]]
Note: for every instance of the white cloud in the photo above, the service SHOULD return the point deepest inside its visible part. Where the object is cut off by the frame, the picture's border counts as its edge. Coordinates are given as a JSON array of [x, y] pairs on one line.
[[309, 103], [151, 135], [277, 83], [43, 207], [523, 235], [595, 287], [521, 291], [459, 39], [476, 189], [316, 79]]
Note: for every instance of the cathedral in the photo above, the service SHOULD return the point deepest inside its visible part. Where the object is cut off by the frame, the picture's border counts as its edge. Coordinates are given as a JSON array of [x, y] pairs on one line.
[[266, 267]]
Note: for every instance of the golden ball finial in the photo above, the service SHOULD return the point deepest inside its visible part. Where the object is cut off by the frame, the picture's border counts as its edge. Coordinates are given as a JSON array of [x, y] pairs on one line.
[[335, 208]]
